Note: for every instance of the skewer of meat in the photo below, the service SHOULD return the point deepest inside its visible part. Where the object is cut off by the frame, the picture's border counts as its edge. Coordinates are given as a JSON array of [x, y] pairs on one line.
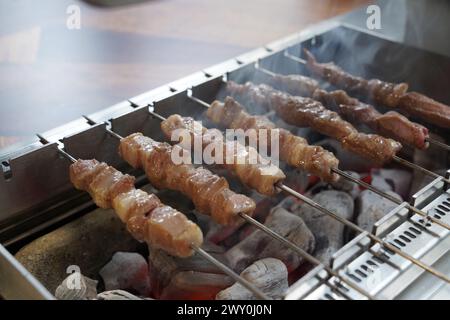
[[306, 112], [245, 162], [147, 219], [294, 150], [258, 225], [344, 221], [209, 193], [324, 210], [391, 124], [389, 94]]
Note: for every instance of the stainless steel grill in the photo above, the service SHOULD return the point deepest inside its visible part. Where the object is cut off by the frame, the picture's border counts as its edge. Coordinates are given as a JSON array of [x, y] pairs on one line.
[[390, 263]]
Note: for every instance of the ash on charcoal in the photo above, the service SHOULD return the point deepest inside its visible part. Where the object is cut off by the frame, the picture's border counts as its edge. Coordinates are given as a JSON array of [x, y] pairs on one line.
[[88, 242], [269, 275], [371, 207], [77, 287], [127, 271], [381, 184], [118, 295], [328, 232], [396, 180], [259, 245], [164, 267]]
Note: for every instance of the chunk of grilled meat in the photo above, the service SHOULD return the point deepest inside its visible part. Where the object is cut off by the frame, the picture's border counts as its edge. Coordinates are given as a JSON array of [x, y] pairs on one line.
[[423, 107], [293, 150], [295, 84], [382, 92], [389, 94], [209, 193], [391, 124], [306, 112], [147, 219], [245, 162]]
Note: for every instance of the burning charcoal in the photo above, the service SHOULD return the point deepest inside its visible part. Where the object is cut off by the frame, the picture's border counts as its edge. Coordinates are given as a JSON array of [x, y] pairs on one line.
[[77, 287], [117, 295], [297, 179], [269, 275], [328, 232], [398, 180], [381, 183], [127, 271], [193, 285], [259, 245], [372, 207], [88, 242], [218, 233], [164, 267]]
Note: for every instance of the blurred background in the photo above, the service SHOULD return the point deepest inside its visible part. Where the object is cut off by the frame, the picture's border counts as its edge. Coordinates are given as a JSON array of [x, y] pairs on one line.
[[50, 74], [60, 59]]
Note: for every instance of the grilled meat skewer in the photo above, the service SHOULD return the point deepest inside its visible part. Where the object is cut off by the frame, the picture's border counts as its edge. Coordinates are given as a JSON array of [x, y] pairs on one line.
[[306, 112], [294, 150], [209, 193], [385, 93], [421, 106], [391, 124], [147, 219], [389, 94], [244, 162]]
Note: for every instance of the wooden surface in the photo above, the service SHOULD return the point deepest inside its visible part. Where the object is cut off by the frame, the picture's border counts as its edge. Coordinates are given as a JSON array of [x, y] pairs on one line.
[[50, 75]]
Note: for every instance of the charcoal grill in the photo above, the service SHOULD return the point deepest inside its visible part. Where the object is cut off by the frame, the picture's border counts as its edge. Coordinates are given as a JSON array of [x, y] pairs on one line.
[[36, 194]]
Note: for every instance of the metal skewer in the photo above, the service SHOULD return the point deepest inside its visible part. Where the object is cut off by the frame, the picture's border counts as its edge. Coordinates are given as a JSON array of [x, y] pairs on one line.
[[389, 197], [419, 168], [352, 225], [268, 231], [294, 58], [304, 254], [374, 238], [395, 157], [231, 273], [438, 143], [264, 70], [257, 292], [368, 186], [303, 61]]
